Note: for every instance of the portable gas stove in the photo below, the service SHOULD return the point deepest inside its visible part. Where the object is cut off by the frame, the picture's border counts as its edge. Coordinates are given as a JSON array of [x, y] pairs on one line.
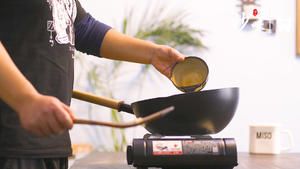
[[196, 113], [194, 152]]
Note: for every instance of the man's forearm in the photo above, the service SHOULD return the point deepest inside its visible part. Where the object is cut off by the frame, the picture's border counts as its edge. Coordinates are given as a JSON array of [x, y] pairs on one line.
[[118, 46], [15, 89]]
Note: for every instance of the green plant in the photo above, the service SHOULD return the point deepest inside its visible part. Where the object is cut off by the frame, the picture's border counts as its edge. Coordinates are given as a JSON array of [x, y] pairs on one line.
[[167, 30]]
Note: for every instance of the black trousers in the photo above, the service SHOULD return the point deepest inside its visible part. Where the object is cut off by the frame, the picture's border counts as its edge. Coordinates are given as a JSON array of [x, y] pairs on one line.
[[43, 163]]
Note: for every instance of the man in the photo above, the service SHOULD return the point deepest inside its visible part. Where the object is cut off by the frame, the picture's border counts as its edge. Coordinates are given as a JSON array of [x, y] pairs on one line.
[[38, 38]]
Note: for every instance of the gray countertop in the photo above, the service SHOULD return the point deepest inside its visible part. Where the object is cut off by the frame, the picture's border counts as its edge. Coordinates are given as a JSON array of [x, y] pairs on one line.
[[117, 160]]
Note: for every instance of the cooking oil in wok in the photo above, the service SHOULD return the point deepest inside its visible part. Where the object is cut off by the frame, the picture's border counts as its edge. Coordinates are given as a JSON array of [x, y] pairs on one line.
[[190, 75]]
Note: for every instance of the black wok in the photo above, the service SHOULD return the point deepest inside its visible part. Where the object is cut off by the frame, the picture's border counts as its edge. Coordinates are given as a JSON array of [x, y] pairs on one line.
[[197, 113]]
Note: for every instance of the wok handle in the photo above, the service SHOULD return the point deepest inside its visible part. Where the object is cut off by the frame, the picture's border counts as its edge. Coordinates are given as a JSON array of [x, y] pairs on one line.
[[138, 121], [114, 104]]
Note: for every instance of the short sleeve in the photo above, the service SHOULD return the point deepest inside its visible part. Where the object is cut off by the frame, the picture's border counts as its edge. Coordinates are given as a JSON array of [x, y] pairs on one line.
[[89, 33]]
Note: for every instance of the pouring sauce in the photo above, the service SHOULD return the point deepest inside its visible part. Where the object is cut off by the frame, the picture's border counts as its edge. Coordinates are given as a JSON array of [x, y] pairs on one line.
[[190, 75]]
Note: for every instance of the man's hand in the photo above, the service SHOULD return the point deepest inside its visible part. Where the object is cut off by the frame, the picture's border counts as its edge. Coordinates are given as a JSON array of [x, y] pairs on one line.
[[45, 115], [40, 114], [164, 58]]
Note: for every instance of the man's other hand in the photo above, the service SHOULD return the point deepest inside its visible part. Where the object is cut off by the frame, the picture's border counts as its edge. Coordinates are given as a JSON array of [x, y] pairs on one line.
[[45, 115]]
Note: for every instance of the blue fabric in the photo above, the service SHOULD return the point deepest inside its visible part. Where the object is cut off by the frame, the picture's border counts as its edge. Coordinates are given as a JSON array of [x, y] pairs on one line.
[[89, 35]]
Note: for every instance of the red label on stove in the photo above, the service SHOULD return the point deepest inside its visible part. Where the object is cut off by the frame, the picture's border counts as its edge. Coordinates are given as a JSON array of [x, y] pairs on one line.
[[167, 147]]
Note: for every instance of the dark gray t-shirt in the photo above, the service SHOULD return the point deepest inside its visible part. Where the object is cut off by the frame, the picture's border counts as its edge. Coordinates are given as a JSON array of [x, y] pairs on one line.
[[39, 36]]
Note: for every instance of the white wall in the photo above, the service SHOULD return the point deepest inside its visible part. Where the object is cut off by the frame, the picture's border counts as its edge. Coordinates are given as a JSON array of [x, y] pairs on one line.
[[264, 67]]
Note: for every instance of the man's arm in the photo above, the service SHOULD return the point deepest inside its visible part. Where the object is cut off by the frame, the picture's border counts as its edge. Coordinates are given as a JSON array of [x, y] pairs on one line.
[[118, 46], [40, 114]]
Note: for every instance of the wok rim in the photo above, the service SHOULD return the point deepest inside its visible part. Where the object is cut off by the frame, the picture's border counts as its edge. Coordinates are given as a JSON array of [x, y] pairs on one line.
[[190, 93]]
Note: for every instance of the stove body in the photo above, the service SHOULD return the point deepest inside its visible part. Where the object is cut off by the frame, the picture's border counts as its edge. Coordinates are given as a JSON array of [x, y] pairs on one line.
[[183, 153]]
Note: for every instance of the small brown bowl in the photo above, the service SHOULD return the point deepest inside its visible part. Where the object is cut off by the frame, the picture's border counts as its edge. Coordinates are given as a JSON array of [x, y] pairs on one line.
[[190, 75]]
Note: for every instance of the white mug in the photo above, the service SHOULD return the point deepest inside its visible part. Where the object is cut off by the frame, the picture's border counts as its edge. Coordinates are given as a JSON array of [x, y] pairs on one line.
[[265, 139]]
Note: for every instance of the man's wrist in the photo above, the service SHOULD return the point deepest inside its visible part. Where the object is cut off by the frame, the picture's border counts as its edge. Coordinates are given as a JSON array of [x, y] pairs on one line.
[[25, 99], [156, 50]]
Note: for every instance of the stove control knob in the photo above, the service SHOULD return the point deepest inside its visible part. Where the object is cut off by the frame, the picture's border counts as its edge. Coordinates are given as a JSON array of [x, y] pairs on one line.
[[129, 155]]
